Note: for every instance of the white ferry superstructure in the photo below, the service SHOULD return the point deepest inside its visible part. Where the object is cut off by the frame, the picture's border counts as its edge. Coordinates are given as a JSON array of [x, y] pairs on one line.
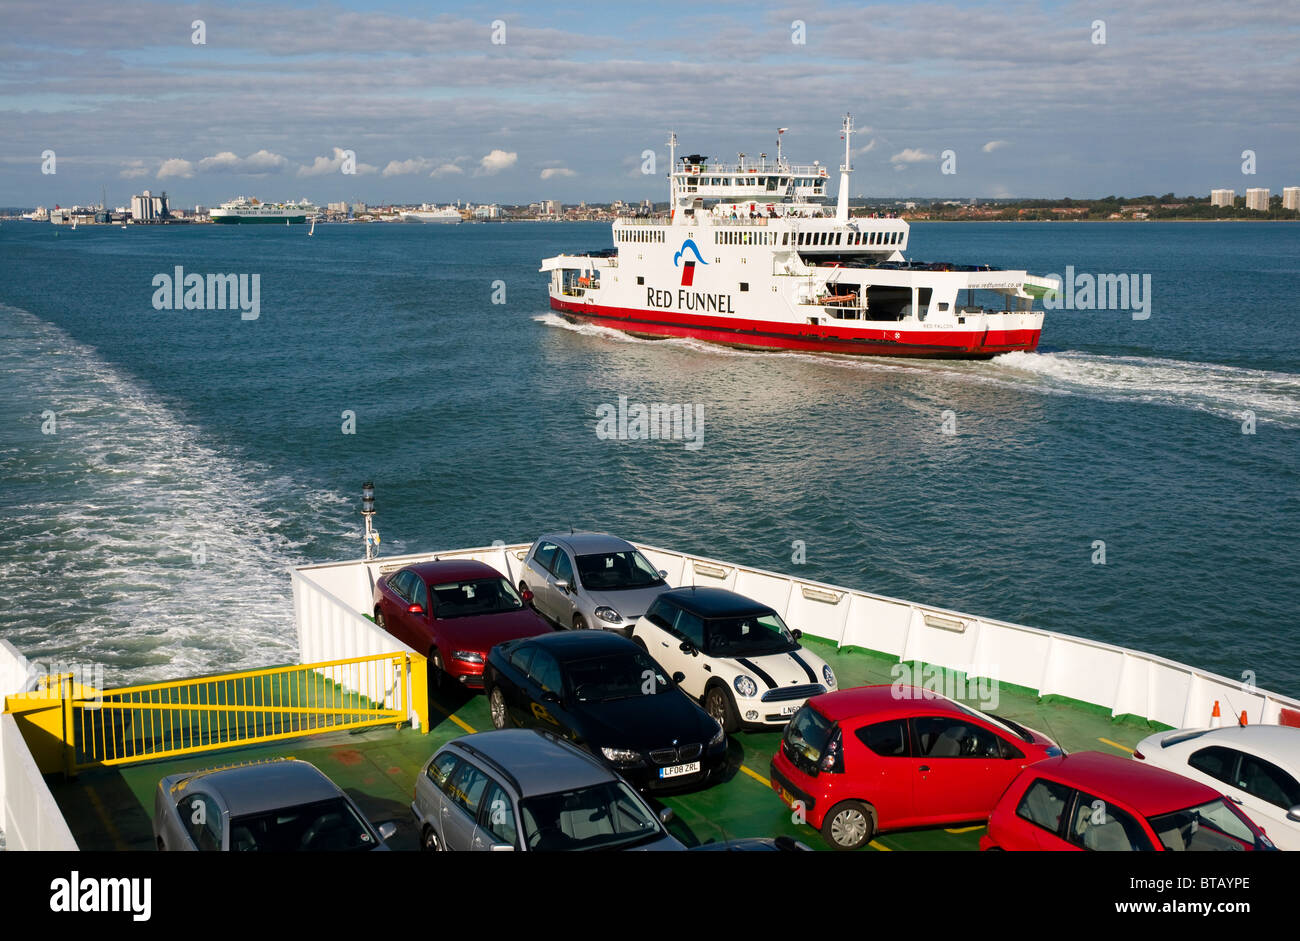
[[429, 213], [246, 211], [749, 256]]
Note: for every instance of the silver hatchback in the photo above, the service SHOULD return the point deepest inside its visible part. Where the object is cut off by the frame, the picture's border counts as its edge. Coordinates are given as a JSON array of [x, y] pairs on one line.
[[590, 580]]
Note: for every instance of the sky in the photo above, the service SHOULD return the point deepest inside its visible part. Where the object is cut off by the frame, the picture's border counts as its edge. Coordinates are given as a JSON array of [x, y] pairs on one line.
[[512, 103]]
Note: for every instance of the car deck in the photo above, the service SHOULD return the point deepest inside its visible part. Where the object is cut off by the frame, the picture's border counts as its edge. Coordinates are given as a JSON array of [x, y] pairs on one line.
[[111, 808]]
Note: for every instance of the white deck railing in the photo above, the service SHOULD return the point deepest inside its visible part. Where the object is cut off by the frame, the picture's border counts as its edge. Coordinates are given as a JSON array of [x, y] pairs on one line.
[[1123, 681]]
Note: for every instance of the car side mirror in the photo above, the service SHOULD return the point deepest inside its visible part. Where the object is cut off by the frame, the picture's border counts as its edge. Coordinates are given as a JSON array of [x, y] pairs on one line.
[[1294, 813], [796, 633], [663, 573], [562, 585], [415, 609], [666, 816], [687, 647], [548, 696], [387, 830], [679, 677]]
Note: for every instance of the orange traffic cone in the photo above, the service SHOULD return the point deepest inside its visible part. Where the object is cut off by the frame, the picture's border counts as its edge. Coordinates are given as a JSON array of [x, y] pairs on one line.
[[1215, 718], [1243, 717]]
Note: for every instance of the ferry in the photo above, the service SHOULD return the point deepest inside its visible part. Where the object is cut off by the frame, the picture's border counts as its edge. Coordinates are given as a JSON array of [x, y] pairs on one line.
[[245, 211], [750, 255], [429, 213], [81, 762]]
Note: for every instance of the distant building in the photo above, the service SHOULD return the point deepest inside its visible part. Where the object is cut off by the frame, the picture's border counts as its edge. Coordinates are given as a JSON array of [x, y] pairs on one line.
[[550, 207], [149, 208], [337, 207], [487, 212], [1257, 199], [1291, 197], [357, 208], [1223, 198]]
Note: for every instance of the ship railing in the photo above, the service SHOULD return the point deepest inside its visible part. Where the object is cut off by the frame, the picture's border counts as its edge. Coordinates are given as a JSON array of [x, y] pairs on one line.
[[709, 168], [98, 728], [1123, 681], [658, 219]]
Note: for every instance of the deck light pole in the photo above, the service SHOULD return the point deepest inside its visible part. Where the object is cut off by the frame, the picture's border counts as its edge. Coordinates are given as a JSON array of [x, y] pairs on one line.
[[368, 511]]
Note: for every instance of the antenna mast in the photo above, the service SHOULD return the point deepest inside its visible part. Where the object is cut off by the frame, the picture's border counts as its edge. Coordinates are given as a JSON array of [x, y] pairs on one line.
[[842, 202]]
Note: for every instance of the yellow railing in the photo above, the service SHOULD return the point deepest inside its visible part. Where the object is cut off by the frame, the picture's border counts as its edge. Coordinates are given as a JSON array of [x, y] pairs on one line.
[[161, 720]]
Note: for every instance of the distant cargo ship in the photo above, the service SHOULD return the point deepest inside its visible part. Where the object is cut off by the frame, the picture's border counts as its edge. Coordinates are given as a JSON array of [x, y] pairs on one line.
[[429, 213], [248, 211]]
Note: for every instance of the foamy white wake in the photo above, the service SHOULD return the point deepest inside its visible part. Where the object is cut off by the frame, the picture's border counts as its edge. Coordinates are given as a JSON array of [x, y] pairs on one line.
[[1224, 391], [130, 542]]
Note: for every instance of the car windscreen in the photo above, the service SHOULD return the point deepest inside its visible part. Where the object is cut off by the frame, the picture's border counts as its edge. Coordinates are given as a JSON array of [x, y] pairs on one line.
[[615, 676], [749, 636], [806, 738], [601, 817], [616, 571], [1208, 826], [475, 596], [321, 826]]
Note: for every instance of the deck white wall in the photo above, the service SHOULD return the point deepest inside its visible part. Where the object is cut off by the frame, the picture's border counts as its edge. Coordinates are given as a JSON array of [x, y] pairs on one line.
[[1121, 680], [29, 815]]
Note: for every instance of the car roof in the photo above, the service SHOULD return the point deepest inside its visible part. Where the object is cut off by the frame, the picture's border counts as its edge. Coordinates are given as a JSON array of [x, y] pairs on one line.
[[265, 785], [566, 646], [714, 602], [1277, 742], [1147, 789], [452, 570], [535, 760], [582, 542], [864, 700]]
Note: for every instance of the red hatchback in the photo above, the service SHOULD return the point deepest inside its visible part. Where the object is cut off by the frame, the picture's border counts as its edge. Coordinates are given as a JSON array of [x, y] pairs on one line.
[[1091, 801], [455, 611], [886, 757]]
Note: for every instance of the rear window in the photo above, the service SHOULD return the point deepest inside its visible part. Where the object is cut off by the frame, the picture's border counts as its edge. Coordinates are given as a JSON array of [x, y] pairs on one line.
[[806, 739], [1043, 804], [887, 739]]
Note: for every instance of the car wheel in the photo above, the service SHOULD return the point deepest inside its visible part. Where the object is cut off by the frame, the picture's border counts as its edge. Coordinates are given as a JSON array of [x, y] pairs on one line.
[[497, 705], [579, 622], [379, 619], [437, 676], [848, 826], [718, 704], [429, 841]]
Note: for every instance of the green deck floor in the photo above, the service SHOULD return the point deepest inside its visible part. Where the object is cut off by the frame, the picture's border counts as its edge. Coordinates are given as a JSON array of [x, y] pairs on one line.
[[111, 809]]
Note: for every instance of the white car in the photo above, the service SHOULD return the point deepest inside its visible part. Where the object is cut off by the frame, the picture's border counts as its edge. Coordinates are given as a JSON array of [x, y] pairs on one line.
[[1257, 766], [733, 654]]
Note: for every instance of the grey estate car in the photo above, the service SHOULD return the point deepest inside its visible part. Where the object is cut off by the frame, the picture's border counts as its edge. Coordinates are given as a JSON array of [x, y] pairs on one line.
[[281, 805], [590, 580], [529, 790]]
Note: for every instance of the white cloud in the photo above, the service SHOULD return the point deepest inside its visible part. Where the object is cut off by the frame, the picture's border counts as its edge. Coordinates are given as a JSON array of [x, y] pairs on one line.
[[994, 145], [134, 170], [497, 161], [176, 167], [447, 169], [260, 162], [858, 151], [323, 165], [911, 155], [403, 167], [556, 171]]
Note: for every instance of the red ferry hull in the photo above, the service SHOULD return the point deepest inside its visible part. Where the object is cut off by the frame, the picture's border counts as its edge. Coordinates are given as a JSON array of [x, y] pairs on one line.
[[760, 334]]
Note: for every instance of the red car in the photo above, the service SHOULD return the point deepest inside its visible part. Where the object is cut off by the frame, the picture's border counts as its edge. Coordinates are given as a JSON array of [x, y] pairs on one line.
[[1091, 801], [885, 757], [455, 611]]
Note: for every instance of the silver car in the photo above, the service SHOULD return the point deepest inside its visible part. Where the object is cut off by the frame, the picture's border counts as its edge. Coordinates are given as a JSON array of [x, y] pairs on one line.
[[590, 580], [530, 790], [271, 806]]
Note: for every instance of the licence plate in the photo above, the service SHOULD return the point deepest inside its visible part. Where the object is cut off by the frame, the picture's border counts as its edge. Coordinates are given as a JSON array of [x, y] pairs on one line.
[[789, 709], [784, 794], [674, 771]]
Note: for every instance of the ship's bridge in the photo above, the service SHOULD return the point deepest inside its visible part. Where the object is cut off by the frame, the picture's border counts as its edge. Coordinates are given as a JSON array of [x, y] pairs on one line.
[[765, 181]]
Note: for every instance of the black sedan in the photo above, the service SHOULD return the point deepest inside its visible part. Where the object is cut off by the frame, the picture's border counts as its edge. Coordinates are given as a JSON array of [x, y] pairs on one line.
[[605, 694]]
